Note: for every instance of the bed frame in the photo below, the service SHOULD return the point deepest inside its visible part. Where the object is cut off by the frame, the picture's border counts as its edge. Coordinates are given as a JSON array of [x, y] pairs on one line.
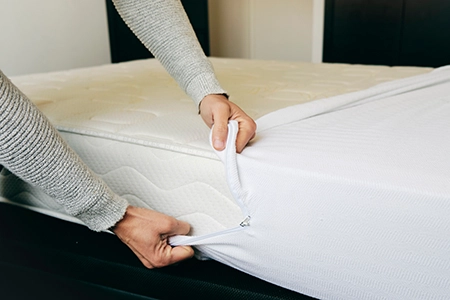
[[42, 257]]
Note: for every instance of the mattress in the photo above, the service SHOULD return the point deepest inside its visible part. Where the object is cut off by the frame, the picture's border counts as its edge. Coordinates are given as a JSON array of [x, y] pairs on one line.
[[137, 130]]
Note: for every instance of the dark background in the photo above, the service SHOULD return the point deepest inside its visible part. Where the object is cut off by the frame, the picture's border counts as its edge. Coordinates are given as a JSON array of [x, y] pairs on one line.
[[379, 32], [126, 46], [387, 32]]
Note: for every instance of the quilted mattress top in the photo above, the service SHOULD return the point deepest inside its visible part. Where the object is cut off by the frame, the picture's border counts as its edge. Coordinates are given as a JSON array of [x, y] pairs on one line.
[[140, 103]]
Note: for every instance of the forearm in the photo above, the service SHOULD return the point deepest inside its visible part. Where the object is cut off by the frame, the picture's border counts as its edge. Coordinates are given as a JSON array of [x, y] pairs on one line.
[[32, 149], [163, 27]]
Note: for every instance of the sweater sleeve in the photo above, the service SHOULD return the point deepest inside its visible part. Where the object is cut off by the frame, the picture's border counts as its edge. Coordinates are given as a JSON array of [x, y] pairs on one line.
[[164, 28], [32, 149]]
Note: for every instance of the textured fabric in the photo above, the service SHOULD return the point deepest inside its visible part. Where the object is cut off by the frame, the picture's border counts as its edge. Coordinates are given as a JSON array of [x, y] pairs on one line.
[[32, 149], [107, 112], [347, 197]]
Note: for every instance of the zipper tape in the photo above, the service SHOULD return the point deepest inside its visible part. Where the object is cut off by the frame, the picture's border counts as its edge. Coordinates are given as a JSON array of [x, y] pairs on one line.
[[228, 156]]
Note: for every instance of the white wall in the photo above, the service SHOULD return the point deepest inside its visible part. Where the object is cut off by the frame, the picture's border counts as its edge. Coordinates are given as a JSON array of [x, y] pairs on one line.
[[267, 29], [49, 35], [229, 28]]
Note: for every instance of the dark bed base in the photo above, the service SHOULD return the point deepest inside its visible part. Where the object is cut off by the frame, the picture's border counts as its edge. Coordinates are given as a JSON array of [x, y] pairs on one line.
[[44, 257]]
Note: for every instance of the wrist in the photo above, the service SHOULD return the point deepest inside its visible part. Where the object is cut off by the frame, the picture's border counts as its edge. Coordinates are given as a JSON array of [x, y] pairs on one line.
[[212, 97], [121, 222]]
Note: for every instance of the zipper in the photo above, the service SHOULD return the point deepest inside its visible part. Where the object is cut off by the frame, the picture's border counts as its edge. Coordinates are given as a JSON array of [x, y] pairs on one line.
[[183, 240], [228, 157], [246, 222]]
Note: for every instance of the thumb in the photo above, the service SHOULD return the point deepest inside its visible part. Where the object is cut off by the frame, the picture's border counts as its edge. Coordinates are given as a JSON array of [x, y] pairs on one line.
[[180, 253], [220, 130]]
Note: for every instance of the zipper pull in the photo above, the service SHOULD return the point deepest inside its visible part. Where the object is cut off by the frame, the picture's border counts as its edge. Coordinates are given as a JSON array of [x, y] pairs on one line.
[[246, 222]]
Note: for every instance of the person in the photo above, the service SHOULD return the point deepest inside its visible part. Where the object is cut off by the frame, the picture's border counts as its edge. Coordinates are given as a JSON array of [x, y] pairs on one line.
[[32, 149]]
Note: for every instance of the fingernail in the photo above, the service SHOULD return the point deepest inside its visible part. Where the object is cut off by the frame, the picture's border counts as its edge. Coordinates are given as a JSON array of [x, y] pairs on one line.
[[218, 144]]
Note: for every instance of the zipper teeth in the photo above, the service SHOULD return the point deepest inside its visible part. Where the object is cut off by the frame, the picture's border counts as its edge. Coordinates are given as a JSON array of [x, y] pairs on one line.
[[231, 160], [238, 195], [193, 240]]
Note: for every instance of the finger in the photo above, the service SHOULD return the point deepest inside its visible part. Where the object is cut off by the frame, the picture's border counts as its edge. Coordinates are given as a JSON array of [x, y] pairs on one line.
[[167, 255], [220, 129], [141, 257], [180, 253], [247, 131], [178, 228], [242, 139]]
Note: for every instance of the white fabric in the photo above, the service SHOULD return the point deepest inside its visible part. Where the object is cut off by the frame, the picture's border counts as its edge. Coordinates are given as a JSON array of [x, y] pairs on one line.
[[349, 197], [135, 128]]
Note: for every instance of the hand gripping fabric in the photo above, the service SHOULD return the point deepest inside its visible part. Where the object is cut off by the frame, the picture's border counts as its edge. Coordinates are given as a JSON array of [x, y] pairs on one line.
[[347, 197]]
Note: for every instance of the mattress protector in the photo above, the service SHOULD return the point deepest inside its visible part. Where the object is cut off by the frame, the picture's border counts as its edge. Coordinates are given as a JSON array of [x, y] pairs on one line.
[[135, 128], [348, 197], [337, 211]]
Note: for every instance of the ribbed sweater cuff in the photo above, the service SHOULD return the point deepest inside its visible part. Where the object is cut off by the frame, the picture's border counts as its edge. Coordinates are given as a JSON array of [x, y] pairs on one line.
[[109, 210], [202, 85]]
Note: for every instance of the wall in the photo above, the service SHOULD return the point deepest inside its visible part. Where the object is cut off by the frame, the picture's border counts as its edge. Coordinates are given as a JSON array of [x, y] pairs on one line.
[[41, 36], [229, 28], [267, 29], [50, 35]]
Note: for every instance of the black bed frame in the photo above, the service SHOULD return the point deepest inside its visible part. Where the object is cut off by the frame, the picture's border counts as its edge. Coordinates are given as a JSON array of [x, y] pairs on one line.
[[42, 257]]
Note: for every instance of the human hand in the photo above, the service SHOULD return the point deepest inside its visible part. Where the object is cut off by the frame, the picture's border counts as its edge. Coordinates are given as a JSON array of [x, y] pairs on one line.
[[146, 232], [217, 110]]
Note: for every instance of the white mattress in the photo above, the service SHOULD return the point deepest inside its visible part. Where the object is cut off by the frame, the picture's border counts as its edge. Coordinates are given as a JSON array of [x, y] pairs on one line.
[[136, 129]]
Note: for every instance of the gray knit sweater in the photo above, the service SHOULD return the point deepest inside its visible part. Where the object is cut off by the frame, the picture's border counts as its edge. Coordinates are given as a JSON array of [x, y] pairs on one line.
[[33, 150]]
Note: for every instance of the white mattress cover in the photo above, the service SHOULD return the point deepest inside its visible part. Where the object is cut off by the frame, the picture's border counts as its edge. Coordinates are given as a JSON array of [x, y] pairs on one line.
[[105, 119], [133, 126], [349, 197]]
